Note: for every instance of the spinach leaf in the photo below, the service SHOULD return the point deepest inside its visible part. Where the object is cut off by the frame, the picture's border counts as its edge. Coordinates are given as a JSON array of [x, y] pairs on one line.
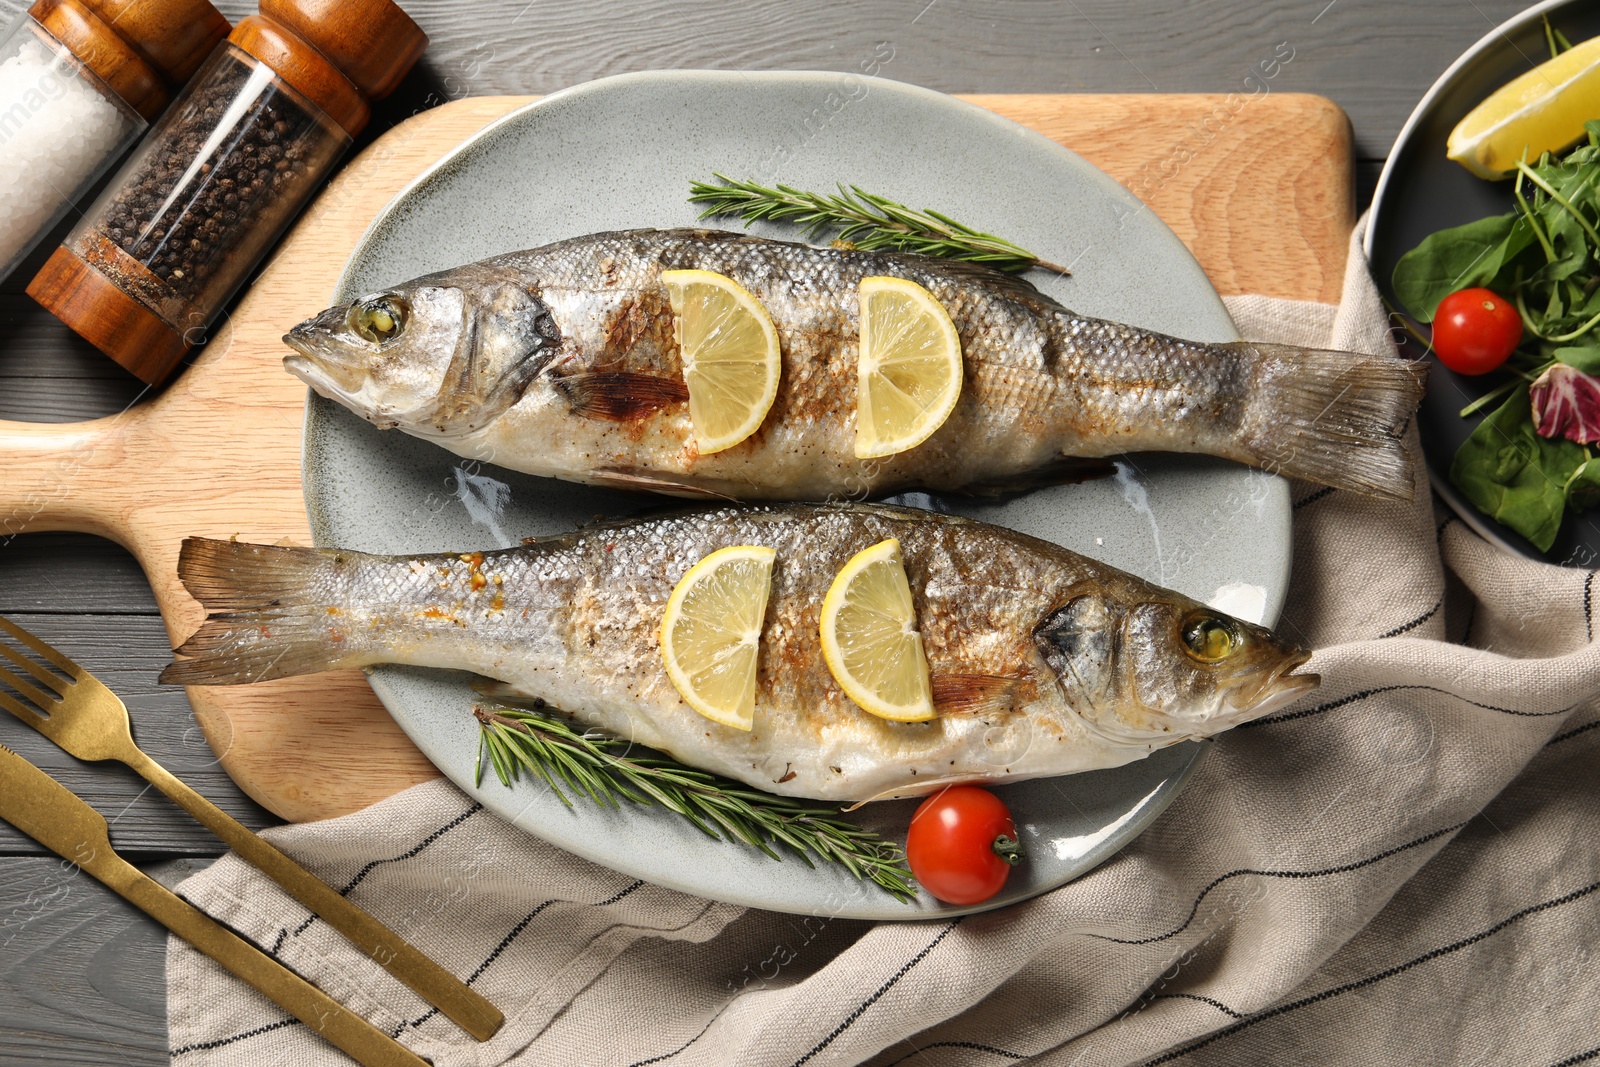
[[1515, 476], [1457, 258], [1586, 359], [1583, 488]]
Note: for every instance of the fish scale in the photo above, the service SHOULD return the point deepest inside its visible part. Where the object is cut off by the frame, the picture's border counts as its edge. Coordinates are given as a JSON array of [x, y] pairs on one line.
[[1042, 661]]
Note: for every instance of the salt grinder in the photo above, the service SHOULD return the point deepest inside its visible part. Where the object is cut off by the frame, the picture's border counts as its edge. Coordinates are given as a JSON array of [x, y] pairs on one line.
[[80, 80], [226, 169]]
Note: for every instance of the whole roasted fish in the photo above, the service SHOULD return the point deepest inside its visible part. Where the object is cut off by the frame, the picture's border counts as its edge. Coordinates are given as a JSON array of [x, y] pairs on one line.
[[1043, 661], [561, 361]]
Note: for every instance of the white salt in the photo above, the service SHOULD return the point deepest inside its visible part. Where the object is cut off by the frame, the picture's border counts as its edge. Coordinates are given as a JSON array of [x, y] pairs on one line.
[[56, 132]]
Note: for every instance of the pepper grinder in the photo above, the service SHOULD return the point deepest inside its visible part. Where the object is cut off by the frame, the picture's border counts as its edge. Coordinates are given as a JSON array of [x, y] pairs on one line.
[[80, 80], [229, 165]]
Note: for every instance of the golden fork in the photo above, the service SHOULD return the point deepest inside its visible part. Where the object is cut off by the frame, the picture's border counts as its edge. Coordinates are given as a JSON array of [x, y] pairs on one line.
[[88, 720]]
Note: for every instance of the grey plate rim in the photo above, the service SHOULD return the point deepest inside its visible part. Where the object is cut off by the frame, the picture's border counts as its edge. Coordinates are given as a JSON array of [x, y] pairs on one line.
[[881, 907]]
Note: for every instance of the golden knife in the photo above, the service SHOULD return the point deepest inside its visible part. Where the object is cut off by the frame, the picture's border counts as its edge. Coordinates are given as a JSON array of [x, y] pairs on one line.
[[62, 822]]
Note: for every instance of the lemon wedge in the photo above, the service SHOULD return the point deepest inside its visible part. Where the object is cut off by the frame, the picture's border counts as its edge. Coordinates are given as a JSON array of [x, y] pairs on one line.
[[870, 640], [1542, 110], [711, 632], [731, 356], [909, 375]]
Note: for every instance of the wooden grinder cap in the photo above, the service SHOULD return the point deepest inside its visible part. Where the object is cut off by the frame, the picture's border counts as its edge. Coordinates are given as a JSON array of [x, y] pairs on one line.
[[304, 68], [173, 36], [341, 55], [142, 50], [372, 42]]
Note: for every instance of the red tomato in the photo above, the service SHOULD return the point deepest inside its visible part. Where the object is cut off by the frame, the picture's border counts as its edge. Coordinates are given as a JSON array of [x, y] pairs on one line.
[[1474, 330], [962, 844]]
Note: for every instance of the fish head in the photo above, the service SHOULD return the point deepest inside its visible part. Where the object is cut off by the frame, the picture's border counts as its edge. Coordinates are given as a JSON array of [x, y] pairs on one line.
[[439, 357], [1161, 667]]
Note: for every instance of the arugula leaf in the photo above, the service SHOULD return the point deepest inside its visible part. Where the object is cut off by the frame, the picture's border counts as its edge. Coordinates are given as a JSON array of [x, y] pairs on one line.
[[1572, 253], [1458, 258], [1515, 476]]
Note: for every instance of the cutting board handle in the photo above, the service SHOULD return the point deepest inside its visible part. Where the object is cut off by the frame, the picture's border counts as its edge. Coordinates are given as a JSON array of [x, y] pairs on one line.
[[53, 476]]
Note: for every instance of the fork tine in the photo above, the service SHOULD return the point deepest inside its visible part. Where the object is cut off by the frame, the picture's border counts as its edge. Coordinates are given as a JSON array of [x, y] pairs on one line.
[[15, 681], [47, 651], [53, 681], [20, 710]]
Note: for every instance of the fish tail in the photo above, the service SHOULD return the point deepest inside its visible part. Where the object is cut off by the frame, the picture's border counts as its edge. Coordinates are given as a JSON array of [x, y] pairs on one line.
[[266, 619], [1334, 418]]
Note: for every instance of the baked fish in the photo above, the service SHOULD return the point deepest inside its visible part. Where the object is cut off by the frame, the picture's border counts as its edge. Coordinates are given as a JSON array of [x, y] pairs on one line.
[[561, 361], [1043, 661]]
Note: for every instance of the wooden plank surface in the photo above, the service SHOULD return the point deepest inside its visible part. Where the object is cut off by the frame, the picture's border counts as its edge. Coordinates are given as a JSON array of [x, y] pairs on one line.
[[1373, 59], [69, 954]]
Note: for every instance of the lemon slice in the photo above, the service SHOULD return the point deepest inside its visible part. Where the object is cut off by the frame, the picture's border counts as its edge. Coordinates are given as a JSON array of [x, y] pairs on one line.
[[711, 632], [870, 640], [731, 357], [1539, 111], [909, 375]]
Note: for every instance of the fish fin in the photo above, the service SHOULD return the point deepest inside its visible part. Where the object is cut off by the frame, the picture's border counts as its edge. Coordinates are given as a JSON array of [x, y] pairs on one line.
[[970, 694], [505, 693], [918, 789], [263, 623], [620, 396], [997, 282], [1334, 418], [628, 478], [1064, 470]]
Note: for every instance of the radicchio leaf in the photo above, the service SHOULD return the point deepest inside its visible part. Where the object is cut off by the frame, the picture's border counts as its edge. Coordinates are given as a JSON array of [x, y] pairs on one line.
[[1566, 403]]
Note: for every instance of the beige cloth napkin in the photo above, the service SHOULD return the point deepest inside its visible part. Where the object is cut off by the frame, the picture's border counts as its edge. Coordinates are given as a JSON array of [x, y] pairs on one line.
[[1400, 869]]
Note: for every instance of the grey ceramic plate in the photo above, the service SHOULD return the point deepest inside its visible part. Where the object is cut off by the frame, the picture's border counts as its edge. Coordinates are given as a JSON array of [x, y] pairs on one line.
[[620, 153], [1421, 191]]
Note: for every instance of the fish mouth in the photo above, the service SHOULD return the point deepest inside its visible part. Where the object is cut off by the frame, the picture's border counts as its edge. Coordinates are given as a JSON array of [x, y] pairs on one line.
[[344, 381], [1277, 689], [307, 370], [334, 378], [315, 374]]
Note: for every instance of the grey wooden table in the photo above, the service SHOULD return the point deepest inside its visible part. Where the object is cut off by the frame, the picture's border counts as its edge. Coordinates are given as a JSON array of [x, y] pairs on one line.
[[81, 974]]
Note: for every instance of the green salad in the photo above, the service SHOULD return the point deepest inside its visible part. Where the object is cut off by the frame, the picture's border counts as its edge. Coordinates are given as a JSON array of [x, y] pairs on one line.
[[1520, 293]]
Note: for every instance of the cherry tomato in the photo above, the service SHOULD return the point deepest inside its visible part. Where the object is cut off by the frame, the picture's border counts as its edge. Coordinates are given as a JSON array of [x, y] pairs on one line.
[[962, 844], [1474, 330]]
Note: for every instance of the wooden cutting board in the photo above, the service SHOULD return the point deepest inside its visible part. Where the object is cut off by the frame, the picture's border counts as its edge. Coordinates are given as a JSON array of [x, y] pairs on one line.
[[1259, 188]]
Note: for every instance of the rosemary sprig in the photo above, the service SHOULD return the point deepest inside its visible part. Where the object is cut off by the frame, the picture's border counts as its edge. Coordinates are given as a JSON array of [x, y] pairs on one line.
[[597, 766], [863, 220]]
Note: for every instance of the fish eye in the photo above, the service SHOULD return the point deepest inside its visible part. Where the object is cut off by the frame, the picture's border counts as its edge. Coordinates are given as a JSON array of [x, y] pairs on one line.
[[380, 319], [1209, 638]]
